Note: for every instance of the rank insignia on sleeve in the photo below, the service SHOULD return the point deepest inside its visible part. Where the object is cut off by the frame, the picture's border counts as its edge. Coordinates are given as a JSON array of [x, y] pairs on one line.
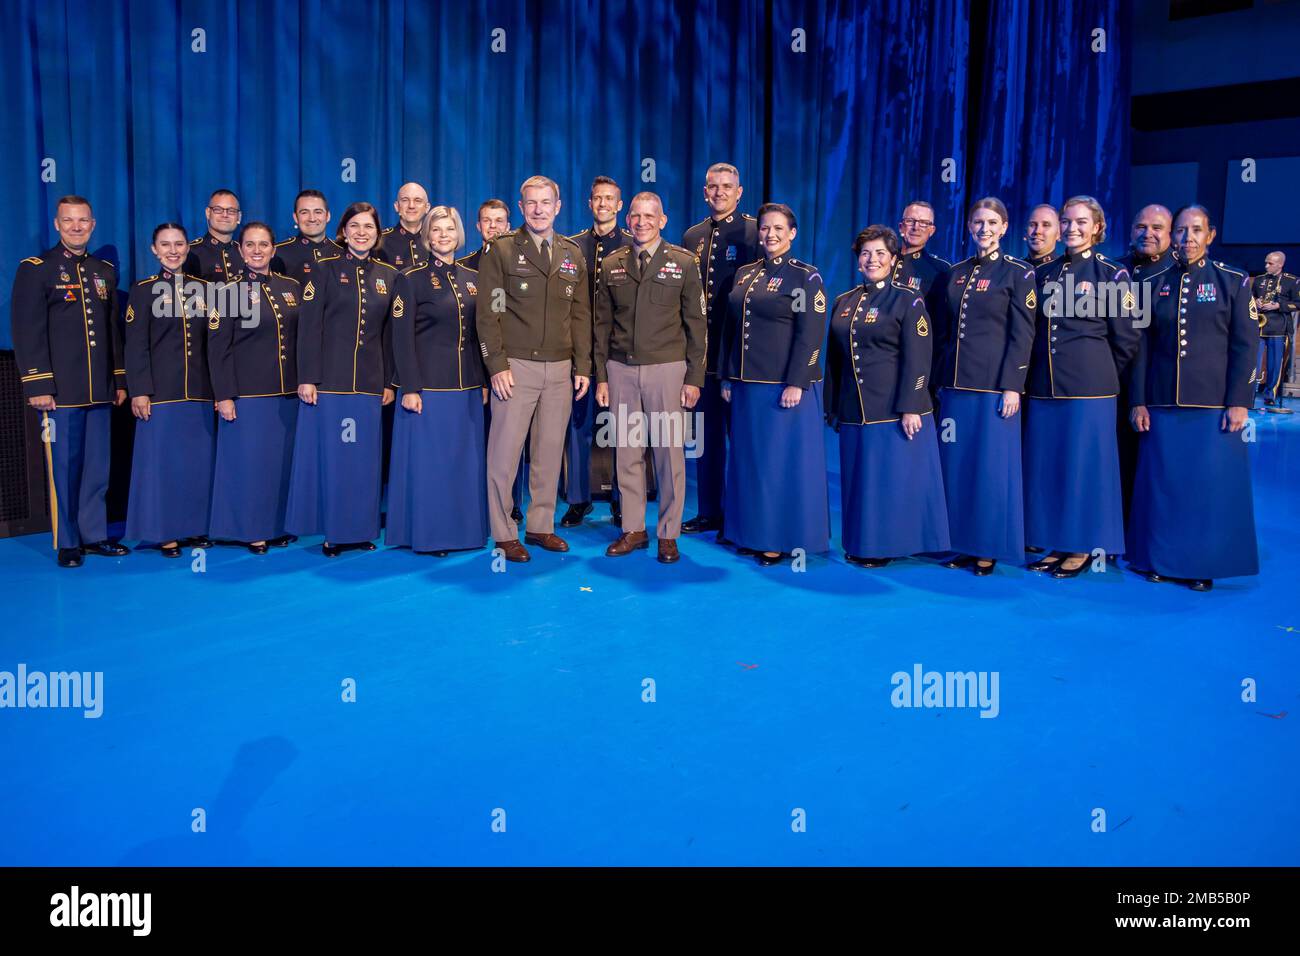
[[1129, 302], [399, 307], [1254, 312], [920, 383], [309, 293], [214, 321], [1031, 300], [819, 301], [813, 360], [923, 327], [130, 313]]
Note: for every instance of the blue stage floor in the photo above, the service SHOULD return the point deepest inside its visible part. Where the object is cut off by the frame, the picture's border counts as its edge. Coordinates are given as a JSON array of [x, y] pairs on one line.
[[523, 691]]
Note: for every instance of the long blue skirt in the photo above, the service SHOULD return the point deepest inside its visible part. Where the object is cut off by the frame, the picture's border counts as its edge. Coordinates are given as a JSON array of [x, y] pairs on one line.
[[171, 473], [776, 471], [1073, 500], [334, 489], [437, 480], [981, 475], [892, 491], [1193, 514], [254, 460]]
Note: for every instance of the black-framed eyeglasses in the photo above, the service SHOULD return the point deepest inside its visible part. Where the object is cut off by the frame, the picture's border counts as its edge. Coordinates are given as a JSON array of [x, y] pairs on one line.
[[225, 210], [909, 223]]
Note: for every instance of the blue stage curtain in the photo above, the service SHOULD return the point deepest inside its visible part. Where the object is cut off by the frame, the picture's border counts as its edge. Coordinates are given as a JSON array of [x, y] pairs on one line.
[[298, 93], [1053, 120]]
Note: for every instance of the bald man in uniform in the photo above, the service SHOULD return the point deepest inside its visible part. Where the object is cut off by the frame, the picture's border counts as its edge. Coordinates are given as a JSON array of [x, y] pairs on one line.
[[400, 245]]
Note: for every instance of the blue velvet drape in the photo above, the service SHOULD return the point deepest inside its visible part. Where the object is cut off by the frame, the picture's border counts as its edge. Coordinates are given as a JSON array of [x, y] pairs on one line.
[[870, 110]]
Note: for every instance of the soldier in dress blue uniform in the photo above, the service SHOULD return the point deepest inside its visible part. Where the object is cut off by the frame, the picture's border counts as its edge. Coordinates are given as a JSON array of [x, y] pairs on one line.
[[401, 246], [345, 367], [596, 243], [439, 451], [1277, 297], [311, 212], [1149, 250], [1193, 382], [168, 319], [1042, 233], [878, 370], [252, 357], [770, 363], [916, 268], [1085, 332], [985, 332], [68, 346], [723, 243], [493, 221], [214, 256]]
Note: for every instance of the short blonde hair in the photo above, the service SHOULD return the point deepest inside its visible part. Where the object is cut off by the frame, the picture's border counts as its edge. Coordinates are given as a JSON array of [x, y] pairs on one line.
[[442, 212], [1094, 207], [538, 182]]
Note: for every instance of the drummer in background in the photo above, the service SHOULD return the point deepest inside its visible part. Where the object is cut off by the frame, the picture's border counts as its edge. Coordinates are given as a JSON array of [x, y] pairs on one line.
[[878, 369], [253, 362], [168, 319], [1193, 516]]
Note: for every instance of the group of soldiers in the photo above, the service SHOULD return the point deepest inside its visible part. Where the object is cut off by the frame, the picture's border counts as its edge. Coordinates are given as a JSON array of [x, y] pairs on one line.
[[65, 318]]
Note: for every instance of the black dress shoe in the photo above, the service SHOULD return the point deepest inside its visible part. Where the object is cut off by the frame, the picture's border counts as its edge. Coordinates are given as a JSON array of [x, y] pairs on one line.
[[284, 540], [1153, 577], [173, 552], [201, 541], [331, 550], [1201, 584], [982, 571], [516, 515], [701, 523], [364, 546], [258, 548], [107, 549], [1062, 572], [1048, 563], [745, 552], [70, 558], [866, 562], [768, 560], [441, 554], [959, 562], [573, 517]]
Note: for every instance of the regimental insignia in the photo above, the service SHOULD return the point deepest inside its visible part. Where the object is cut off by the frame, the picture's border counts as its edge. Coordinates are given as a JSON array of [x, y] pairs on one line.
[[1129, 302], [819, 301], [1164, 289], [69, 297], [871, 316], [1031, 300], [130, 313], [1254, 314], [309, 293], [568, 291], [522, 259], [289, 299], [254, 296], [214, 320], [399, 307], [343, 277], [731, 253], [1207, 292], [773, 285], [381, 286], [699, 249], [471, 288], [961, 280], [913, 283], [923, 327], [64, 277], [523, 287], [1083, 288], [435, 281]]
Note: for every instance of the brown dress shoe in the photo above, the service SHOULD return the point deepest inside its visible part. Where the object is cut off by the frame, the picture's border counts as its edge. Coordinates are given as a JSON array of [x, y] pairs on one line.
[[547, 542], [668, 553], [514, 551], [628, 542]]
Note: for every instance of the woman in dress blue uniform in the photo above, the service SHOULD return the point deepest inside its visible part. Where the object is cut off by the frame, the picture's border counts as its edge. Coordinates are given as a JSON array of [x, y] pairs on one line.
[[345, 365], [771, 370], [168, 318], [253, 361], [1085, 332], [878, 372], [439, 454], [986, 332], [1192, 518]]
